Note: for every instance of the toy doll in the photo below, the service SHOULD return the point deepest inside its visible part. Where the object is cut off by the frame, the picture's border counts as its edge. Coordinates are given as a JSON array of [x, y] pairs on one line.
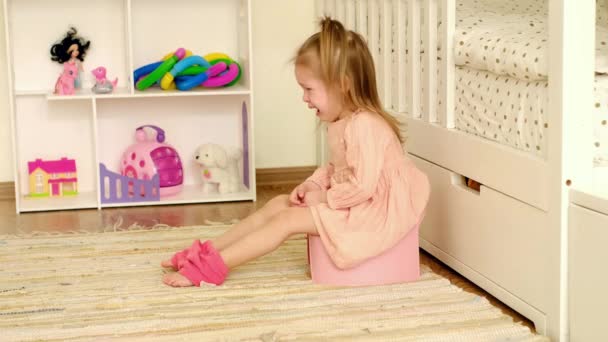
[[72, 49]]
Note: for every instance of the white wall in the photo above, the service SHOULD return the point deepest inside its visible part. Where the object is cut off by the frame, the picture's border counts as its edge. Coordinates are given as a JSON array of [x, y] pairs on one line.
[[6, 147], [284, 127]]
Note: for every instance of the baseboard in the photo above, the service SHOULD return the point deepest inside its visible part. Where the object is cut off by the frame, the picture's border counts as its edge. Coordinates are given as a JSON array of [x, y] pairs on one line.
[[283, 175], [7, 191], [264, 177]]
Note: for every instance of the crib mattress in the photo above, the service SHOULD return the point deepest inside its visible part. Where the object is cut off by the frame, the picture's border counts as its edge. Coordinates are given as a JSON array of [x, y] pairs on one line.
[[513, 112], [511, 38]]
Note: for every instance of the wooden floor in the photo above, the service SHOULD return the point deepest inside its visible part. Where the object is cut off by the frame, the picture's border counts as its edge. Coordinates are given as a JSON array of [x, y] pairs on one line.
[[185, 215]]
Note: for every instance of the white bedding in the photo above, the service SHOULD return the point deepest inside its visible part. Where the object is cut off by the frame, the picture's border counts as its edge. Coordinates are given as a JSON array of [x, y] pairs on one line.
[[513, 112], [510, 37], [509, 108], [600, 121]]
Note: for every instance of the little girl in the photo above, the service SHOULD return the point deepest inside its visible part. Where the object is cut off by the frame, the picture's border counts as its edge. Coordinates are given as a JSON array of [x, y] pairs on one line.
[[362, 203]]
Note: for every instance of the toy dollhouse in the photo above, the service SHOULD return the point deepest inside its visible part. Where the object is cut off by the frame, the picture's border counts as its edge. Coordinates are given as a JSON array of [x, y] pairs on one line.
[[52, 178]]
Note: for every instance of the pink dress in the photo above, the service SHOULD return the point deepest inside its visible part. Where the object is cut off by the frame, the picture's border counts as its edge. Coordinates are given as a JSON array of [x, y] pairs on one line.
[[375, 193]]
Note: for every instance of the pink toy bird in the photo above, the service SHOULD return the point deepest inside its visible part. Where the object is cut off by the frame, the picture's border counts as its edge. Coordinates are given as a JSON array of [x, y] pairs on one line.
[[102, 84]]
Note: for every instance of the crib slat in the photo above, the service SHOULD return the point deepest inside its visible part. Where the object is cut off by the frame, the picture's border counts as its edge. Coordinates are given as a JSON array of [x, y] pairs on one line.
[[448, 25], [401, 57], [373, 25], [329, 7], [362, 18], [413, 48], [340, 10], [349, 17], [320, 7], [430, 51], [385, 65], [393, 53]]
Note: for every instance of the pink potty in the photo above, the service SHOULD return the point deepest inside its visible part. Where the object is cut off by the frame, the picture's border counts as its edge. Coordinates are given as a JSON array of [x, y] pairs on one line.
[[399, 264]]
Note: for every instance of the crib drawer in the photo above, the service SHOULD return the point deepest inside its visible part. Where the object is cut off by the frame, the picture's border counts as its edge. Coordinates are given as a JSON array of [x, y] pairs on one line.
[[496, 236], [587, 274]]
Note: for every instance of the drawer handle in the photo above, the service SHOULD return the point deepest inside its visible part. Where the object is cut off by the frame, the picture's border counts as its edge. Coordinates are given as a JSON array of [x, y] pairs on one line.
[[472, 184], [466, 183]]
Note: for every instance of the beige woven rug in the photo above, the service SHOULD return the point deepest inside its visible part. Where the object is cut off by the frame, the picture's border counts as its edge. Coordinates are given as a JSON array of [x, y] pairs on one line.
[[107, 286]]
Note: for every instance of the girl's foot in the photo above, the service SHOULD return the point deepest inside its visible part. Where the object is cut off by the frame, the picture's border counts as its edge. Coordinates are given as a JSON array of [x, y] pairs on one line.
[[176, 279], [199, 263], [176, 261]]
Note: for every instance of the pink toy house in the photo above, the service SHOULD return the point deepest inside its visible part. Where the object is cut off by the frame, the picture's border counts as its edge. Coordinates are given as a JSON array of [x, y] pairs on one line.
[[52, 177]]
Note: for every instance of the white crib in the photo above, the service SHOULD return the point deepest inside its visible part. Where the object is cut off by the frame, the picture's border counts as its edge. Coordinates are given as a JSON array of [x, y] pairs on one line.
[[510, 237]]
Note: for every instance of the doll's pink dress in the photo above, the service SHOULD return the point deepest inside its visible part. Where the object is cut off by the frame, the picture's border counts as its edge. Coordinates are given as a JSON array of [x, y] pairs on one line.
[[375, 193]]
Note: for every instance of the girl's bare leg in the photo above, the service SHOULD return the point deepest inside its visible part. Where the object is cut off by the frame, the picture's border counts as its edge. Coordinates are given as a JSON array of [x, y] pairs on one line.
[[290, 221], [250, 223], [293, 220]]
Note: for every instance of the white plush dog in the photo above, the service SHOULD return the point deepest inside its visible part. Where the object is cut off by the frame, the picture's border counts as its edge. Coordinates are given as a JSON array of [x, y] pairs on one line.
[[219, 165]]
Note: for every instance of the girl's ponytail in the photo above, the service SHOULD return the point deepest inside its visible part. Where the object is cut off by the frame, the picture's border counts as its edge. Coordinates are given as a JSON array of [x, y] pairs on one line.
[[332, 50]]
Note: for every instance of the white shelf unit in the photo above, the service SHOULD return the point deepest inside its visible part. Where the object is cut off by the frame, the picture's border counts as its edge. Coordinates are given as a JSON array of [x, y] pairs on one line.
[[95, 129]]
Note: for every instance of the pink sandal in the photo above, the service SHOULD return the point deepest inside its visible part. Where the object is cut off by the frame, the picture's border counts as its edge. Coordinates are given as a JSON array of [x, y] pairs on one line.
[[178, 259], [201, 263]]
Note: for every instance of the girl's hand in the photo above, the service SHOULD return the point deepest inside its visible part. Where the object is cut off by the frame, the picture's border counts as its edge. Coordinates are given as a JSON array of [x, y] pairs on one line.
[[299, 192], [313, 198]]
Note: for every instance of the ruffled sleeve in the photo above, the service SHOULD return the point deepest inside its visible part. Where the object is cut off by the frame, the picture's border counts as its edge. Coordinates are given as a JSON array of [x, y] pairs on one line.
[[366, 140]]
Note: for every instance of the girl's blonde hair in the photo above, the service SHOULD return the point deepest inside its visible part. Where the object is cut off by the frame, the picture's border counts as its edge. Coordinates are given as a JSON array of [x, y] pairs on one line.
[[341, 57]]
